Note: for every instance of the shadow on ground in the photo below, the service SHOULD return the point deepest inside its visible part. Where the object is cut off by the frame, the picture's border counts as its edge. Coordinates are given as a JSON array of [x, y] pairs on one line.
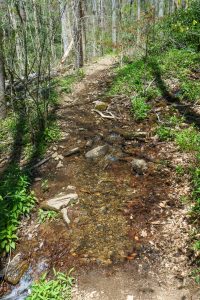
[[186, 111], [16, 180]]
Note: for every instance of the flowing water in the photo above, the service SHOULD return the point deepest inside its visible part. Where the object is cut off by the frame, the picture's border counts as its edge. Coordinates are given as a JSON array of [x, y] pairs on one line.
[[22, 290]]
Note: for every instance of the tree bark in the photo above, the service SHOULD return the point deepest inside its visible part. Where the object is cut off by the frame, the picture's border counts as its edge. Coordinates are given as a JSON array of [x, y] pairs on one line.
[[94, 15], [114, 23], [64, 23], [138, 20], [78, 41], [161, 9], [2, 72]]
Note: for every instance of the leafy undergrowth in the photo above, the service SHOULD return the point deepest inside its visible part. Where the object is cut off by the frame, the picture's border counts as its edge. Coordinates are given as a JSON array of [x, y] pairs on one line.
[[65, 83], [172, 72], [22, 140], [7, 130], [16, 200], [59, 288], [46, 215]]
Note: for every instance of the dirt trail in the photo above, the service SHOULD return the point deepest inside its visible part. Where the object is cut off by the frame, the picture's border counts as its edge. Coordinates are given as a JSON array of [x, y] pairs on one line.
[[128, 233]]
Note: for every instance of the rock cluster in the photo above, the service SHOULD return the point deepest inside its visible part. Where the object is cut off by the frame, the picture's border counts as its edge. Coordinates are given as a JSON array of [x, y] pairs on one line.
[[62, 202]]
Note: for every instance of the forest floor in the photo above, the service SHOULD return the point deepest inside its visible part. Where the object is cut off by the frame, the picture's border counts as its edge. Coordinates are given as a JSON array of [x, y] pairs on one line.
[[129, 233]]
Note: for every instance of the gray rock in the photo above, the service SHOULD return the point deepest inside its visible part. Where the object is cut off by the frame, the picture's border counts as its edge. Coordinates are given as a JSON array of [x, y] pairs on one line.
[[16, 269], [64, 212], [139, 166], [60, 202], [97, 152]]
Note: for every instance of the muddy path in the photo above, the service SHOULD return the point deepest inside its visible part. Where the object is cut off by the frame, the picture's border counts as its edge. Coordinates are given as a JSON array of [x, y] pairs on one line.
[[128, 232]]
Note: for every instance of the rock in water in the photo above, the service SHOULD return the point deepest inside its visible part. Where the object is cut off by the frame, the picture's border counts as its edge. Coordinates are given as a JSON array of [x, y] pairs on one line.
[[59, 202], [16, 269], [139, 166], [97, 152]]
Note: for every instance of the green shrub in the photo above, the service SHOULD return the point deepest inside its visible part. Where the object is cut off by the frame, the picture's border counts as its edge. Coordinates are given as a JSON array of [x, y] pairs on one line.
[[164, 133], [140, 108], [67, 82], [59, 288], [180, 170], [7, 131], [188, 139], [46, 215], [181, 30], [130, 79], [175, 121], [16, 200], [52, 133], [196, 275]]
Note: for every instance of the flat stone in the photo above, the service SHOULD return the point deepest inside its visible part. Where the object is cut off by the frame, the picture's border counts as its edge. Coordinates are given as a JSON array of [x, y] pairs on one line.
[[97, 152], [139, 166], [59, 202], [64, 212], [16, 269]]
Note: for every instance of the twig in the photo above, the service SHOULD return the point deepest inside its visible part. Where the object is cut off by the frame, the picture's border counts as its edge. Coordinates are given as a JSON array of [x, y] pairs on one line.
[[150, 84], [109, 116], [41, 162], [159, 120]]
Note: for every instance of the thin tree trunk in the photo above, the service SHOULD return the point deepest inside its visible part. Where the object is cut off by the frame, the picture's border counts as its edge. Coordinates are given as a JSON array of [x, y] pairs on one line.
[[94, 14], [138, 20], [2, 72], [114, 24], [19, 51], [84, 29], [161, 9], [78, 42], [64, 23], [101, 24]]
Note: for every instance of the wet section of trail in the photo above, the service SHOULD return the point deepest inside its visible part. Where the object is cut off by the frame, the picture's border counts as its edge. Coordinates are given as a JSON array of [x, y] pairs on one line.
[[128, 232]]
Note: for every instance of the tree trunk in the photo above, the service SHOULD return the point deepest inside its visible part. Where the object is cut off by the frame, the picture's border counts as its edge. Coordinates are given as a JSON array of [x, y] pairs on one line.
[[19, 48], [78, 42], [114, 24], [138, 20], [101, 24], [2, 73], [64, 23], [94, 15], [161, 9]]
